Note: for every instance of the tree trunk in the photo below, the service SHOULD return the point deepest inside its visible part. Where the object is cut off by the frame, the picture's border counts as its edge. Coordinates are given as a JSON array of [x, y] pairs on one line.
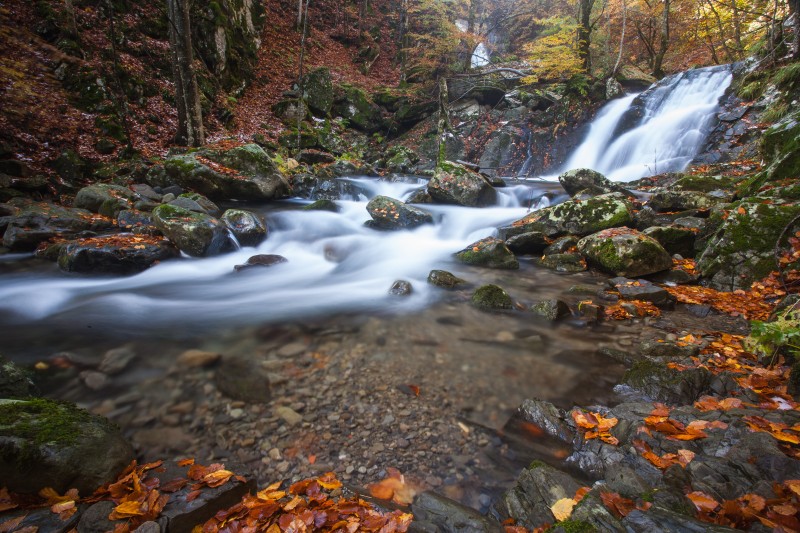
[[187, 97], [794, 9], [658, 60], [585, 32], [621, 39], [443, 124]]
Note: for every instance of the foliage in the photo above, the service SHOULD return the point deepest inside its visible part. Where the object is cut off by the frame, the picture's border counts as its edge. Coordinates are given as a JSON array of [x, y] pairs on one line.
[[783, 333], [431, 41], [554, 54]]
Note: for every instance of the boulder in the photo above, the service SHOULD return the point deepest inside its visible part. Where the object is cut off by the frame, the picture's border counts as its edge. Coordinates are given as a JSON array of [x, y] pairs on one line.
[[45, 443], [490, 253], [531, 243], [261, 261], [674, 239], [36, 222], [290, 111], [400, 159], [401, 288], [105, 199], [249, 174], [135, 221], [390, 214], [318, 90], [196, 234], [587, 180], [115, 254], [14, 381], [551, 310], [453, 183], [576, 217], [567, 263], [205, 205], [444, 279], [353, 104], [625, 252], [248, 228], [683, 200], [743, 249], [242, 378], [491, 298]]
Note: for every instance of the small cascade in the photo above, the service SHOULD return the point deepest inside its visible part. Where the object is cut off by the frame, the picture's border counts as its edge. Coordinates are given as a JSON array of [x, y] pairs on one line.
[[480, 56], [660, 130]]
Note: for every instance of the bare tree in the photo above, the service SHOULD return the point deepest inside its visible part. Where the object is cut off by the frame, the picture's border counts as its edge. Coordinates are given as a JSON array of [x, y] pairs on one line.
[[585, 32], [187, 97]]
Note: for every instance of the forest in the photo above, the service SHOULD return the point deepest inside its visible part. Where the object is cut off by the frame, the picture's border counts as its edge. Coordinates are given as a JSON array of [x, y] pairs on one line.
[[399, 265]]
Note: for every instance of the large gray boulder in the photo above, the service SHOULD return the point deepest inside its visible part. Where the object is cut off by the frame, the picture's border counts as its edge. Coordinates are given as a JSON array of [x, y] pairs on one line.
[[453, 183], [197, 234], [318, 90], [105, 199], [576, 217], [44, 443], [587, 180], [248, 228], [391, 214], [625, 252], [115, 254], [242, 173], [36, 222]]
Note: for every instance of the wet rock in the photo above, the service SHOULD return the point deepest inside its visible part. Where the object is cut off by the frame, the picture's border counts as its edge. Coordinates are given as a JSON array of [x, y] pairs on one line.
[[562, 245], [420, 197], [453, 183], [490, 253], [664, 384], [197, 234], [444, 279], [14, 381], [261, 260], [95, 518], [665, 349], [578, 217], [248, 228], [551, 310], [548, 417], [531, 243], [400, 288], [433, 512], [567, 263], [135, 221], [593, 515], [625, 252], [116, 360], [675, 240], [243, 378], [322, 205], [536, 490], [55, 444], [641, 289], [390, 214], [661, 520], [145, 192], [115, 254], [35, 222], [104, 199], [491, 297], [584, 179], [682, 201]]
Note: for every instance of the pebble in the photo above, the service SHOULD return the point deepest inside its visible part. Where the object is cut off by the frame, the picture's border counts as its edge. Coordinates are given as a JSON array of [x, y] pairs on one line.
[[288, 415], [283, 467], [198, 358], [504, 336], [237, 413], [292, 349], [95, 380], [114, 361], [275, 454]]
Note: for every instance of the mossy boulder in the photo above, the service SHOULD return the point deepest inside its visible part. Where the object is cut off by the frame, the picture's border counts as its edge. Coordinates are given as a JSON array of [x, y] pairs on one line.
[[780, 147], [490, 253], [105, 199], [661, 383], [445, 279], [206, 206], [390, 214], [576, 217], [115, 254], [532, 242], [44, 443], [674, 239], [14, 381], [551, 310], [36, 222], [587, 180], [568, 263], [625, 252], [453, 183], [683, 200], [352, 103], [742, 249], [248, 174], [717, 185], [491, 298], [291, 111], [196, 234], [318, 90], [322, 205], [248, 228], [400, 159]]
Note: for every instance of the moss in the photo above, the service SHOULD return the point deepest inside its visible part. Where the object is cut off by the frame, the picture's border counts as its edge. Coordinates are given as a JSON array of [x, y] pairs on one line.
[[646, 371], [575, 526], [703, 183], [536, 464], [492, 297], [607, 253]]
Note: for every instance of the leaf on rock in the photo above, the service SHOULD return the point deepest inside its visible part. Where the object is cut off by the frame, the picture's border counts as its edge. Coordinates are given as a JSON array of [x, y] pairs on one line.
[[562, 509]]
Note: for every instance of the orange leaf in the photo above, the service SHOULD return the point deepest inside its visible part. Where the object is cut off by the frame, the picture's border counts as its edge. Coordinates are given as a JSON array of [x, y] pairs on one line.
[[126, 510], [703, 502]]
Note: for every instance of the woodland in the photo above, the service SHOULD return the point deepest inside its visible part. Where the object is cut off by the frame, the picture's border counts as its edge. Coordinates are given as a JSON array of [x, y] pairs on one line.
[[399, 265]]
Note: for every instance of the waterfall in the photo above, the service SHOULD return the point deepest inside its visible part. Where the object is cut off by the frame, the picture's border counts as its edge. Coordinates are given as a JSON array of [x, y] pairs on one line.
[[480, 56], [660, 130]]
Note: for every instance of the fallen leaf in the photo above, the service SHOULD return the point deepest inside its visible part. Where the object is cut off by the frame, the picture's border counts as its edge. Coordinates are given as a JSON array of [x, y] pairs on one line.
[[562, 509]]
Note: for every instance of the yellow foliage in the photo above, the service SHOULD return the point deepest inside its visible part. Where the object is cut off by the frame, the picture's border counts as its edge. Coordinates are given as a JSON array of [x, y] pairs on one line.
[[554, 54]]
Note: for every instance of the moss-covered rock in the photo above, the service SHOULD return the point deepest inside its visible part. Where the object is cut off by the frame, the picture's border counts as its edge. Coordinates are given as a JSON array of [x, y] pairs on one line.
[[400, 159], [780, 147], [588, 180], [105, 199], [491, 298], [196, 234], [577, 217], [291, 111], [44, 443], [706, 184], [453, 183], [742, 249], [322, 205], [14, 381], [674, 239], [567, 263], [551, 310], [683, 200], [248, 228], [36, 222], [114, 254], [490, 253], [625, 252], [352, 103], [668, 385], [318, 90], [390, 214], [445, 279]]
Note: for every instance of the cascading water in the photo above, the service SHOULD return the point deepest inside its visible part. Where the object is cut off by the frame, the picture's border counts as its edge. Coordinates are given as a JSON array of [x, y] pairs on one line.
[[660, 130], [480, 56]]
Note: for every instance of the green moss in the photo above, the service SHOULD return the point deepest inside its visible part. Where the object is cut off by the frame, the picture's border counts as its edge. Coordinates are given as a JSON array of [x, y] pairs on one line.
[[573, 526], [492, 297], [536, 464], [607, 254], [703, 183]]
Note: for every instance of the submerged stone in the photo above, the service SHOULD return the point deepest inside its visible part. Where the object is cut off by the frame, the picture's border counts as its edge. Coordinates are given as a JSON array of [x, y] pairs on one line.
[[196, 234], [444, 279], [490, 253], [492, 297], [248, 228], [261, 260]]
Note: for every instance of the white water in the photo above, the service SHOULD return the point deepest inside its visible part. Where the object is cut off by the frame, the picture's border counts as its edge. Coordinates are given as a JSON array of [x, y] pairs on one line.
[[480, 56], [335, 264], [679, 113]]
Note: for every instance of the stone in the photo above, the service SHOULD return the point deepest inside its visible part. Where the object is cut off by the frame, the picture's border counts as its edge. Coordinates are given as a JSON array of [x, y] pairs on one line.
[[288, 415], [353, 104], [661, 383], [15, 382], [317, 90], [135, 221], [491, 298], [531, 243], [36, 222], [577, 217], [551, 310], [433, 512], [453, 183], [116, 360], [198, 358], [562, 245], [121, 254], [400, 288], [661, 520], [242, 378], [249, 228], [400, 159], [55, 444], [682, 201], [197, 234], [584, 179], [104, 199], [290, 111], [322, 205], [567, 263], [444, 279], [390, 214], [643, 290], [625, 252], [674, 239], [95, 518], [313, 157], [548, 417], [261, 261], [667, 349], [490, 253]]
